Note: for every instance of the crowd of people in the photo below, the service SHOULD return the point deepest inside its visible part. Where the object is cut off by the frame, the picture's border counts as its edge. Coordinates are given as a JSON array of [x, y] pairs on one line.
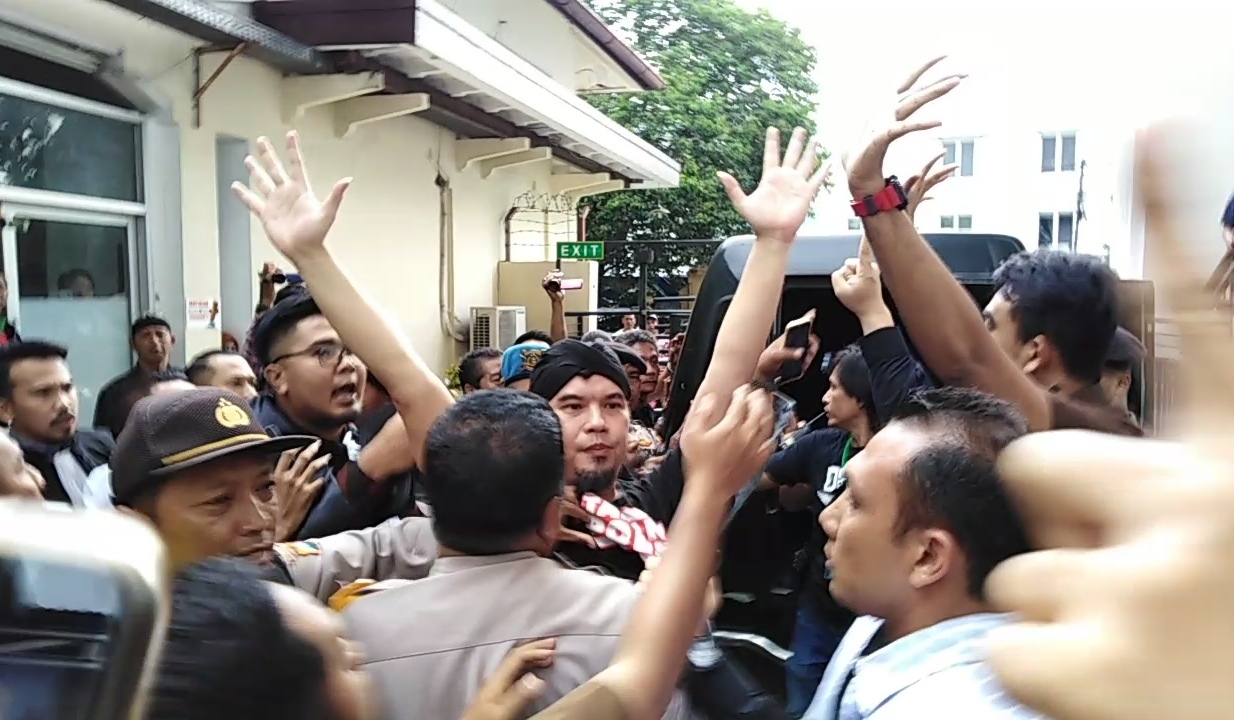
[[347, 548]]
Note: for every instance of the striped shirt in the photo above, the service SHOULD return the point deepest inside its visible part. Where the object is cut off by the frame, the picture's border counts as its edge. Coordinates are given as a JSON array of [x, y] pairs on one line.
[[938, 672]]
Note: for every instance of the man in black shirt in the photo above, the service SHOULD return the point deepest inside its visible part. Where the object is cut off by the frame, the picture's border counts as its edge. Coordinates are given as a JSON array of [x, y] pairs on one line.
[[152, 341], [37, 392], [643, 343], [589, 389], [818, 459]]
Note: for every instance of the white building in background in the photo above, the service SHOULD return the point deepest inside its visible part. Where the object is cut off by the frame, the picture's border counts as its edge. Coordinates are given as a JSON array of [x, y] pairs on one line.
[[123, 122], [1024, 182], [1019, 160]]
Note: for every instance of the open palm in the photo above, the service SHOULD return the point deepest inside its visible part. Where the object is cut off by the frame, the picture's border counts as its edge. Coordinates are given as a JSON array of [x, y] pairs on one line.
[[294, 219], [780, 203], [864, 163]]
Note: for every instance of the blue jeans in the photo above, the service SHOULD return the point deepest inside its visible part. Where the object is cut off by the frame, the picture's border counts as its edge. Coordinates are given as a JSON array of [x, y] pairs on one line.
[[812, 647]]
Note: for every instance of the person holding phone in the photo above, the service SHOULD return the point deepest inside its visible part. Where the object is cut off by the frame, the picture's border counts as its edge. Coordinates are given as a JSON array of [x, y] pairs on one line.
[[865, 383]]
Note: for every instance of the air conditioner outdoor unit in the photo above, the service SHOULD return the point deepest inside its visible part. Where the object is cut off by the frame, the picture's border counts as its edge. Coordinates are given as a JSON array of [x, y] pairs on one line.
[[497, 327]]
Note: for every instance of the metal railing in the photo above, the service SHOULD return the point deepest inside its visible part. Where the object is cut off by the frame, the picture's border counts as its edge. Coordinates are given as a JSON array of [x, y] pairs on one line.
[[671, 322]]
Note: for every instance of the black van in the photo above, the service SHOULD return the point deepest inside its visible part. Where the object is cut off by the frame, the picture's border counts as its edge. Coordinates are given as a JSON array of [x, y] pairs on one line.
[[972, 257], [756, 620]]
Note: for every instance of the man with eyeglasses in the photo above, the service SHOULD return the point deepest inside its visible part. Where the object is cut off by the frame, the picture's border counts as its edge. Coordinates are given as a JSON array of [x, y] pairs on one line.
[[313, 385]]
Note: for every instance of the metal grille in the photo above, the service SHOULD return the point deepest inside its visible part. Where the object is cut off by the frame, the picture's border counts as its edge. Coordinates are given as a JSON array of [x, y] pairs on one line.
[[482, 331]]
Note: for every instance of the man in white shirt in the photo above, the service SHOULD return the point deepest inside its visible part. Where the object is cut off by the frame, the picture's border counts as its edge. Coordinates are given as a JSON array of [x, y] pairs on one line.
[[922, 522]]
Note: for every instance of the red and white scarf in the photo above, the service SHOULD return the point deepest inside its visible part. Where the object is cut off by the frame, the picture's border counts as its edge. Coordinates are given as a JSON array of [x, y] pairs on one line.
[[625, 527]]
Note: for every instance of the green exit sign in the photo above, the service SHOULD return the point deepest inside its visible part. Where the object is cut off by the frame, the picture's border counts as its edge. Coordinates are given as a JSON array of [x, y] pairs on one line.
[[580, 251]]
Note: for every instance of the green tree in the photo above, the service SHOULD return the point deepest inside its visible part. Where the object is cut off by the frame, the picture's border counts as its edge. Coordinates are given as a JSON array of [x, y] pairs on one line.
[[730, 74]]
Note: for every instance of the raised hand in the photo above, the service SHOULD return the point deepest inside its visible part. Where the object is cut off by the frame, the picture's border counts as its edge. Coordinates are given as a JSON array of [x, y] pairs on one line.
[[1127, 616], [294, 219], [779, 205], [864, 163], [726, 447], [858, 284], [552, 286], [506, 694], [918, 185]]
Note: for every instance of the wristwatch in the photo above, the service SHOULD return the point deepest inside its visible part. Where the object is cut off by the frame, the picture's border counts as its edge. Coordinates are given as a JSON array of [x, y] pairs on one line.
[[891, 197]]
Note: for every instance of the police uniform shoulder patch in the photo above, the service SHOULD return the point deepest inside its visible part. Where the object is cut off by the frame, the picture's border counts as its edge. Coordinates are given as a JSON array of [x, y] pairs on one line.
[[351, 592], [290, 552], [305, 547]]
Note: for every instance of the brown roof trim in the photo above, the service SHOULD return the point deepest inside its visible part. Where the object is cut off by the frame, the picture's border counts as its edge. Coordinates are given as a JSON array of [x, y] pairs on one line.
[[590, 24]]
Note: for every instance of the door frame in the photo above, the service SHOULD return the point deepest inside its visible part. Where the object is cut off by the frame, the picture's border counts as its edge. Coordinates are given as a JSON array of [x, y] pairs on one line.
[[11, 213]]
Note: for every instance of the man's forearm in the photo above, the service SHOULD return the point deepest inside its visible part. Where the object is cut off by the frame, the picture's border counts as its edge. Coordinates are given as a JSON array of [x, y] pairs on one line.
[[747, 324], [943, 322], [388, 453], [937, 312], [654, 643], [557, 321]]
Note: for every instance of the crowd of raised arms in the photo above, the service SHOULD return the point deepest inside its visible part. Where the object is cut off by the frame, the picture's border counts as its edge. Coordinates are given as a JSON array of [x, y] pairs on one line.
[[539, 546]]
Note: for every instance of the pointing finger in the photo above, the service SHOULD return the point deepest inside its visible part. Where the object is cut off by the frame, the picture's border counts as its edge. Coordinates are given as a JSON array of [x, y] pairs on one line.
[[905, 128], [284, 461], [865, 255], [258, 177], [914, 103], [913, 78], [796, 146], [925, 172], [1069, 485], [1044, 665], [771, 152], [732, 188], [1036, 585], [270, 161]]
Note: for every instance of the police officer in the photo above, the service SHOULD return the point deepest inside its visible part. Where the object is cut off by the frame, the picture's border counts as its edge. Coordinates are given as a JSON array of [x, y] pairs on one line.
[[199, 467]]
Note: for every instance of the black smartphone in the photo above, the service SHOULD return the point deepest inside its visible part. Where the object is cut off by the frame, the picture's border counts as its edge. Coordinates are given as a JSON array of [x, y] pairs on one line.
[[796, 337], [786, 409]]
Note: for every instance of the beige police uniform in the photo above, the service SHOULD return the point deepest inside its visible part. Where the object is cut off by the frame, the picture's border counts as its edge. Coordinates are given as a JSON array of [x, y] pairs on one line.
[[403, 548], [431, 644]]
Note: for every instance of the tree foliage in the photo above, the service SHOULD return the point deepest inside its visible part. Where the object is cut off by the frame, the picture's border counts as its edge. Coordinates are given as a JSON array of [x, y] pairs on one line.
[[730, 74]]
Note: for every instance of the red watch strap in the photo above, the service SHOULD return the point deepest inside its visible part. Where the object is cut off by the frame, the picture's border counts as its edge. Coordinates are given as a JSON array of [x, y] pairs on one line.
[[889, 198]]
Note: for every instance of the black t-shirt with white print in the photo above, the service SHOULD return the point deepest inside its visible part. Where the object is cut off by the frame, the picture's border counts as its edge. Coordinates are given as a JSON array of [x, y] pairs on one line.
[[658, 494], [817, 459]]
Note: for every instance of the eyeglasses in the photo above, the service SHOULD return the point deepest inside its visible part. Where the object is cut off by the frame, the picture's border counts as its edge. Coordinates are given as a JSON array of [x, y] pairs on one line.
[[327, 355]]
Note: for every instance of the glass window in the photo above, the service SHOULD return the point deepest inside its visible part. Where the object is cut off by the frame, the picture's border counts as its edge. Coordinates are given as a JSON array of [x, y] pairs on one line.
[[946, 221], [1048, 150], [73, 285], [1045, 230], [1067, 162], [44, 147], [948, 153], [966, 158], [1066, 230], [966, 222], [854, 223]]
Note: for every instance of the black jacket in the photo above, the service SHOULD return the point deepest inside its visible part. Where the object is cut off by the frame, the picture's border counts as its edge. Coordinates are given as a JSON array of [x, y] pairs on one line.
[[350, 500], [91, 449]]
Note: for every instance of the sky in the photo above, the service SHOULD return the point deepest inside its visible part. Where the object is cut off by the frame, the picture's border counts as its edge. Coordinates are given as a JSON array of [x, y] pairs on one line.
[[1109, 65], [1090, 58]]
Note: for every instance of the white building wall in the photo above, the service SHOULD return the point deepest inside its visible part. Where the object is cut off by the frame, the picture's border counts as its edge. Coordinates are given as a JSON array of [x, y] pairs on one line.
[[1042, 66], [1008, 190], [388, 232]]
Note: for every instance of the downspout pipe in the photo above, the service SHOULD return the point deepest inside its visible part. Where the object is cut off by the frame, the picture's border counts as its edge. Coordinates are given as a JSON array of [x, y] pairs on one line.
[[450, 323]]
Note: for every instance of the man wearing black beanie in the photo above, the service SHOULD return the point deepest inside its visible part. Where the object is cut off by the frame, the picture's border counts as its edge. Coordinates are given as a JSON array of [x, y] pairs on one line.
[[589, 389]]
